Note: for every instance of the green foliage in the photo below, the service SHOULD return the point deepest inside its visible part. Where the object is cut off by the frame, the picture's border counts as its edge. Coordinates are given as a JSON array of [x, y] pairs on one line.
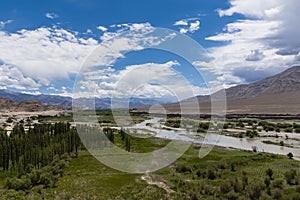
[[290, 177], [269, 173], [37, 147], [290, 155]]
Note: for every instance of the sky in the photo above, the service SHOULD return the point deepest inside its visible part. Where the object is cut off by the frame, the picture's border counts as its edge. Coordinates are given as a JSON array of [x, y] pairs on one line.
[[44, 45]]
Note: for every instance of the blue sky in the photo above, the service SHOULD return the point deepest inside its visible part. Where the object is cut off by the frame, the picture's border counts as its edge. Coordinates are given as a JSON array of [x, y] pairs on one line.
[[44, 43]]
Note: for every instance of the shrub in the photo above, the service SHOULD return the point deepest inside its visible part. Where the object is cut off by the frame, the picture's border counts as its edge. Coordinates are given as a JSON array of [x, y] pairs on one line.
[[289, 130], [232, 167], [232, 196], [277, 194], [278, 183], [225, 187], [290, 155], [211, 174], [269, 173], [297, 130], [290, 177], [267, 182], [183, 169], [254, 190]]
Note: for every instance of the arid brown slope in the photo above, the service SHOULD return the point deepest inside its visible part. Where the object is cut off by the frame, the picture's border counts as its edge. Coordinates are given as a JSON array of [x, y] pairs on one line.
[[24, 106], [279, 94]]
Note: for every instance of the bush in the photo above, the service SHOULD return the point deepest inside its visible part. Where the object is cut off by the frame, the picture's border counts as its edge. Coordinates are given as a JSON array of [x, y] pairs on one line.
[[13, 195], [254, 190], [297, 130], [277, 194], [211, 174], [225, 187], [267, 182], [183, 169], [232, 196], [237, 186], [269, 173], [278, 183], [296, 197], [22, 183], [289, 130], [290, 177], [47, 179], [290, 155], [298, 189]]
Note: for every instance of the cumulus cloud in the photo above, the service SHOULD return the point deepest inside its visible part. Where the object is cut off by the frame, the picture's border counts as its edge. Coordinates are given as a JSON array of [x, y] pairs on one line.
[[181, 23], [148, 80], [102, 28], [41, 57], [3, 23], [255, 55], [11, 77], [51, 15], [44, 54], [188, 25], [265, 42]]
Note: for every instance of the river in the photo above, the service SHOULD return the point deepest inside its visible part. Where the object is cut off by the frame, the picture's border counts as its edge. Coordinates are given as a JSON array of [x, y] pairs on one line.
[[220, 140]]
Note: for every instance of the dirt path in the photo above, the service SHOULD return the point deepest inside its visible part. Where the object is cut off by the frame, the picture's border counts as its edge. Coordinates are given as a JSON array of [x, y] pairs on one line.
[[159, 182]]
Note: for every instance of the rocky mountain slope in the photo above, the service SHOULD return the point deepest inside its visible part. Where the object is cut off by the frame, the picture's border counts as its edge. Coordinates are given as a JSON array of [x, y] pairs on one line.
[[24, 106], [279, 94], [285, 82]]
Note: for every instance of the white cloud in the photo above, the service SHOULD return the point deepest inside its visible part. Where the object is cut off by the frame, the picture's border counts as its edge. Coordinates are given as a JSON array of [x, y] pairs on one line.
[[149, 80], [183, 30], [89, 31], [194, 26], [45, 54], [3, 23], [13, 78], [255, 55], [258, 9], [31, 93], [102, 28], [181, 23], [51, 15], [265, 43], [188, 25]]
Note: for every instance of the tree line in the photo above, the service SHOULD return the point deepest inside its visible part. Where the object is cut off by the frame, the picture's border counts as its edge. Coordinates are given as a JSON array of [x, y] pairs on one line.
[[36, 147]]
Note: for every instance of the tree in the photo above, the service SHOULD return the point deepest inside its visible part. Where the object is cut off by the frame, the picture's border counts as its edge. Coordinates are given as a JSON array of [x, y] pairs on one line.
[[290, 155]]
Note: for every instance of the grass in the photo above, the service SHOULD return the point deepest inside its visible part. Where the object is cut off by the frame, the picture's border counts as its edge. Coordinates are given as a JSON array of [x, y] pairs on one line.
[[87, 178], [222, 174]]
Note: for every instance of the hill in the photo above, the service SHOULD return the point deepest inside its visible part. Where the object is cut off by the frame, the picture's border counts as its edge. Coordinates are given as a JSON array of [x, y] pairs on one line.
[[278, 94], [24, 106], [66, 102]]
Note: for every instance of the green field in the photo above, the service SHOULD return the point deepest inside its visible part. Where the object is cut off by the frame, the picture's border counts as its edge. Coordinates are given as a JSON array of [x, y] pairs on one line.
[[223, 174]]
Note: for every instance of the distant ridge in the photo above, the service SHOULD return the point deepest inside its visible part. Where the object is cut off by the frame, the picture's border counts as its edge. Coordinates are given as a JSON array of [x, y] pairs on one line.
[[24, 106], [66, 102], [285, 82], [278, 94]]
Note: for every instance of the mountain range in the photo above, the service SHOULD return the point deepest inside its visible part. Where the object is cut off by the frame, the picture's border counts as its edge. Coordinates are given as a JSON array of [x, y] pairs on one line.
[[66, 102], [278, 94], [24, 106]]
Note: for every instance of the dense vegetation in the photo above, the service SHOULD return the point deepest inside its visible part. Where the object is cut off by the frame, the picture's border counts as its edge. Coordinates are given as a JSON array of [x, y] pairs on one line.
[[37, 147], [49, 162]]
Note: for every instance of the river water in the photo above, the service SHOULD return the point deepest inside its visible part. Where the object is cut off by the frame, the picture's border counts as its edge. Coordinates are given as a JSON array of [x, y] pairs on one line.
[[220, 140]]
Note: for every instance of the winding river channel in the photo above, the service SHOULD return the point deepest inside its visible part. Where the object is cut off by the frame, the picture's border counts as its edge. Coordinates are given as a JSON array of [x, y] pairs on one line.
[[219, 140]]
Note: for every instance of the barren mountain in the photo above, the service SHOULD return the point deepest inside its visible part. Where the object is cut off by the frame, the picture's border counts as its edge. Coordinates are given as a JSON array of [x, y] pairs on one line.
[[279, 94], [24, 106], [285, 82]]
